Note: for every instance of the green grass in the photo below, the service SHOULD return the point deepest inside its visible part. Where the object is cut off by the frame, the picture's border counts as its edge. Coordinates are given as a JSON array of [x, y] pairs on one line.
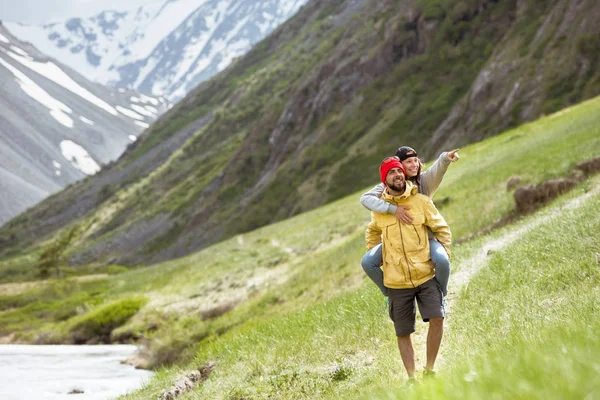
[[302, 321], [47, 306], [525, 320], [103, 320], [541, 150], [526, 326]]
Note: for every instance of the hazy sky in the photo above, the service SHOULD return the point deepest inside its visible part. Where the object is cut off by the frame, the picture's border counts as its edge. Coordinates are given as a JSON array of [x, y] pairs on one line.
[[43, 11]]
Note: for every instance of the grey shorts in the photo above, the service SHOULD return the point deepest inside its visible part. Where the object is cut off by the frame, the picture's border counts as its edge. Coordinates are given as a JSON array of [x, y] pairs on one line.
[[402, 306]]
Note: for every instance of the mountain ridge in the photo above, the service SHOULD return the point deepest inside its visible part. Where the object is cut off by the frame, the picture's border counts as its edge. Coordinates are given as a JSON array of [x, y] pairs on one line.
[[303, 117], [124, 49], [57, 127]]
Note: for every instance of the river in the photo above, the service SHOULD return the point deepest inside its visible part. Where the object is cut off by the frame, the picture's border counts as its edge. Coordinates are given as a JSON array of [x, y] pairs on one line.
[[30, 372]]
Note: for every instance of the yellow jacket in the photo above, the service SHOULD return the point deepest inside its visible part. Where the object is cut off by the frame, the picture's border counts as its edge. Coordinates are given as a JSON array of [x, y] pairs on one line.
[[406, 254]]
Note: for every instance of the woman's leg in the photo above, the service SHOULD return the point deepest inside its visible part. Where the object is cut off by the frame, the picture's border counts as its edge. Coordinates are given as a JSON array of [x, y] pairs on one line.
[[442, 264], [371, 263]]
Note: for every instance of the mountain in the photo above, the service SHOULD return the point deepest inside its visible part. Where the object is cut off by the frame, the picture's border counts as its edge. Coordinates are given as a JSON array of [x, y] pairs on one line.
[[305, 116], [56, 127], [163, 48]]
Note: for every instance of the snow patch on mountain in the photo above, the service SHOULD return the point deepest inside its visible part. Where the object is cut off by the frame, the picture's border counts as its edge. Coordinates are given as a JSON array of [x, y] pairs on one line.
[[57, 109], [143, 110], [129, 113], [19, 51], [79, 157], [57, 167], [54, 73], [86, 121], [167, 16]]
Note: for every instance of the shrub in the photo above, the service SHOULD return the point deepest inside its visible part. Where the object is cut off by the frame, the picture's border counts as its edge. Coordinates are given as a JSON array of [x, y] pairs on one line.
[[58, 289], [99, 323], [588, 45], [105, 193], [432, 10], [52, 256]]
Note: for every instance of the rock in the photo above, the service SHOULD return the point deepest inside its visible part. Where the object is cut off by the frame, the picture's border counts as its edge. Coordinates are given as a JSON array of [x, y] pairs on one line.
[[140, 360], [6, 339], [187, 382], [76, 391]]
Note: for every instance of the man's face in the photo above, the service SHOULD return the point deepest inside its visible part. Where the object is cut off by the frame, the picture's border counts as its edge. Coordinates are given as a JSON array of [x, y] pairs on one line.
[[411, 166], [395, 180]]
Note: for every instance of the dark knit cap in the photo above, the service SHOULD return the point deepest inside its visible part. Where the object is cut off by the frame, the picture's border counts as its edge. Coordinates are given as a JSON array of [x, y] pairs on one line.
[[405, 152]]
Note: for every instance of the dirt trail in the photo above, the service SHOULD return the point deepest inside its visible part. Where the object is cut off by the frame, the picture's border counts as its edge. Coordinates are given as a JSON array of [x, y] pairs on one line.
[[11, 289]]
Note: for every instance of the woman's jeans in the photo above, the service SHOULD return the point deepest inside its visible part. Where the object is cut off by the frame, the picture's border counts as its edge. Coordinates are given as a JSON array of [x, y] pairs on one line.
[[372, 260]]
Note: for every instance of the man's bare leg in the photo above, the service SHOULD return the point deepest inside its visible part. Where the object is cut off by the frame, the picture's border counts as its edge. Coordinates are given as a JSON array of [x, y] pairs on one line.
[[408, 354], [434, 339]]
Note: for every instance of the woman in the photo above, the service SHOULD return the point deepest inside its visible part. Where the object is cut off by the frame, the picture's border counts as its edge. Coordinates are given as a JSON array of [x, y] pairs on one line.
[[427, 182]]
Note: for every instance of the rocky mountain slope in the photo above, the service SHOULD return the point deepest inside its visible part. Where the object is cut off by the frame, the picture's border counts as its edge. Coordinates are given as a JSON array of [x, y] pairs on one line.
[[548, 58], [56, 127], [164, 48], [309, 112]]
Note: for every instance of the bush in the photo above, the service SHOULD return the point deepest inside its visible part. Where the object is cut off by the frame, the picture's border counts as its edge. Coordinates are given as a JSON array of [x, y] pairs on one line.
[[98, 324], [52, 256], [588, 45], [105, 193], [432, 10]]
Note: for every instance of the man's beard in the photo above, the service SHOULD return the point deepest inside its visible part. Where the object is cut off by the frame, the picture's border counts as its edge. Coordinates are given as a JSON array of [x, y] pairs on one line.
[[398, 188]]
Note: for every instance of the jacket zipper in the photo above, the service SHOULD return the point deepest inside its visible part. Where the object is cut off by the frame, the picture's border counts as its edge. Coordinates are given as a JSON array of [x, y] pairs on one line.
[[405, 256], [419, 236]]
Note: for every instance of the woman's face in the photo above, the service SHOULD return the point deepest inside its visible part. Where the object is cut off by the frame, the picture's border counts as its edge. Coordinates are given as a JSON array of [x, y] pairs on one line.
[[411, 166]]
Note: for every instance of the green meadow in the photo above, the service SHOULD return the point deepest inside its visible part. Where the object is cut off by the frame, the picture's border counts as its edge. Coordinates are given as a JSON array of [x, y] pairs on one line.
[[286, 312], [524, 327]]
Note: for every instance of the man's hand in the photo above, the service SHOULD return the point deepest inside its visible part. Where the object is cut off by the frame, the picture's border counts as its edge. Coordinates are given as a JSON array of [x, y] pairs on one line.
[[453, 156], [403, 215]]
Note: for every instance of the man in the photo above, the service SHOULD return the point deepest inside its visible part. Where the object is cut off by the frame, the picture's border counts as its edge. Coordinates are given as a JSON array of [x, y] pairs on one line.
[[407, 267]]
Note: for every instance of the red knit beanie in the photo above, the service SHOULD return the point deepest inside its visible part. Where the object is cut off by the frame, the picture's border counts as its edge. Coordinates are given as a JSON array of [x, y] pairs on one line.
[[387, 164]]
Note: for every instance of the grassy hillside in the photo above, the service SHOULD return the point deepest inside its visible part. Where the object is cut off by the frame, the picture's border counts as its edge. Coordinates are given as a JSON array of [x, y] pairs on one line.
[[286, 311], [529, 314], [524, 320], [322, 98]]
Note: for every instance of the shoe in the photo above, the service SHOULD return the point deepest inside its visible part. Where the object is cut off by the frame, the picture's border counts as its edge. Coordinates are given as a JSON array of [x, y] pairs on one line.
[[429, 374], [410, 383]]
